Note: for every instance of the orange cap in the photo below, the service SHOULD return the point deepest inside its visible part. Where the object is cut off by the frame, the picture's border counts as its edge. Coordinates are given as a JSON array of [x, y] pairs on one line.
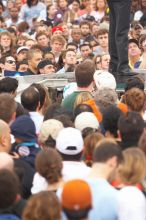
[[76, 195]]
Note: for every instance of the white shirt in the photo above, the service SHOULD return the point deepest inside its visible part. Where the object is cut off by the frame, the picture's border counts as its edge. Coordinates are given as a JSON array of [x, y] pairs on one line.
[[131, 204], [71, 170], [37, 119]]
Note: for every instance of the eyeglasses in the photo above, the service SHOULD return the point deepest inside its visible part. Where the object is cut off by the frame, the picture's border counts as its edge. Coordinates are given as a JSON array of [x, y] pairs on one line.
[[11, 61]]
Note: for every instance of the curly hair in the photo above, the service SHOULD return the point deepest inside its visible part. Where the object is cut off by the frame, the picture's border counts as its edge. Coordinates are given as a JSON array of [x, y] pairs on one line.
[[49, 165], [134, 99]]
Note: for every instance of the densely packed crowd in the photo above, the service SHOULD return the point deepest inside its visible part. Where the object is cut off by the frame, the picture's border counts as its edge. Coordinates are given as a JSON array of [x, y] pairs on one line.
[[77, 152]]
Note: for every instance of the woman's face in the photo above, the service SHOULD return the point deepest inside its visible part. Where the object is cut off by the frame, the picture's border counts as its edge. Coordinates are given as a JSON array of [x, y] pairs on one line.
[[52, 10], [5, 41], [105, 62], [101, 4]]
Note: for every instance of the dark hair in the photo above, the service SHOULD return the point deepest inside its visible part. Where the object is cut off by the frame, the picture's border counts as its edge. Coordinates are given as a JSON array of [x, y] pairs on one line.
[[29, 3], [85, 44], [54, 110], [1, 3], [81, 108], [42, 93], [143, 20], [76, 214], [22, 62], [18, 64], [76, 1], [66, 51], [84, 73], [72, 44], [8, 85], [110, 119], [131, 126], [134, 81], [65, 119], [48, 52], [30, 98], [105, 150], [60, 62], [1, 18], [50, 142], [9, 188], [88, 131], [66, 157], [20, 110], [85, 22], [12, 30], [49, 165]]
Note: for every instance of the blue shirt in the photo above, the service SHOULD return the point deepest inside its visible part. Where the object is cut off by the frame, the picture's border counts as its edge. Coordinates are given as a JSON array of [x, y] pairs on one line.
[[105, 203]]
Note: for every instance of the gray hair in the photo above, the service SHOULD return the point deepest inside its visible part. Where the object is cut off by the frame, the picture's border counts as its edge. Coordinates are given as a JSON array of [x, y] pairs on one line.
[[105, 97]]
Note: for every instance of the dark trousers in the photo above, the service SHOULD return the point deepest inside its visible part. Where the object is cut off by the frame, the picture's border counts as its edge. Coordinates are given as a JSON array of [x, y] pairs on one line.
[[118, 35]]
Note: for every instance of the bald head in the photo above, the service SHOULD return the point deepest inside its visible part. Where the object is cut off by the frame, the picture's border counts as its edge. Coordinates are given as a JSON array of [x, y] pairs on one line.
[[5, 138], [6, 161]]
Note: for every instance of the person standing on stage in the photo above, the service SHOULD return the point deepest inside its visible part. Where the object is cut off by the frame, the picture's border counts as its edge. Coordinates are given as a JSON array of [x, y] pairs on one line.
[[118, 38]]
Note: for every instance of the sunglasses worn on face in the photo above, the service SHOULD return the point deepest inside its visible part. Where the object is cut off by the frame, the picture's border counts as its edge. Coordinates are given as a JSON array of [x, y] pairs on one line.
[[11, 61]]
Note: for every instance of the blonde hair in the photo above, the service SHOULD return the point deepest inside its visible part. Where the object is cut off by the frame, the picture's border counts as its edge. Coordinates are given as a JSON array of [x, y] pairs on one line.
[[82, 97], [132, 170]]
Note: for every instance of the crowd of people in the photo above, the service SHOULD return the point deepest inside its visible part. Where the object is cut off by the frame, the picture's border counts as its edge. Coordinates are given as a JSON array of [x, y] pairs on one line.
[[42, 37], [77, 153]]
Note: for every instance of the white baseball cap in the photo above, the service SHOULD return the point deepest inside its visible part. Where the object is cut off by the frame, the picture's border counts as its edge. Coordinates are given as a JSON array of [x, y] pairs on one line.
[[69, 141]]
